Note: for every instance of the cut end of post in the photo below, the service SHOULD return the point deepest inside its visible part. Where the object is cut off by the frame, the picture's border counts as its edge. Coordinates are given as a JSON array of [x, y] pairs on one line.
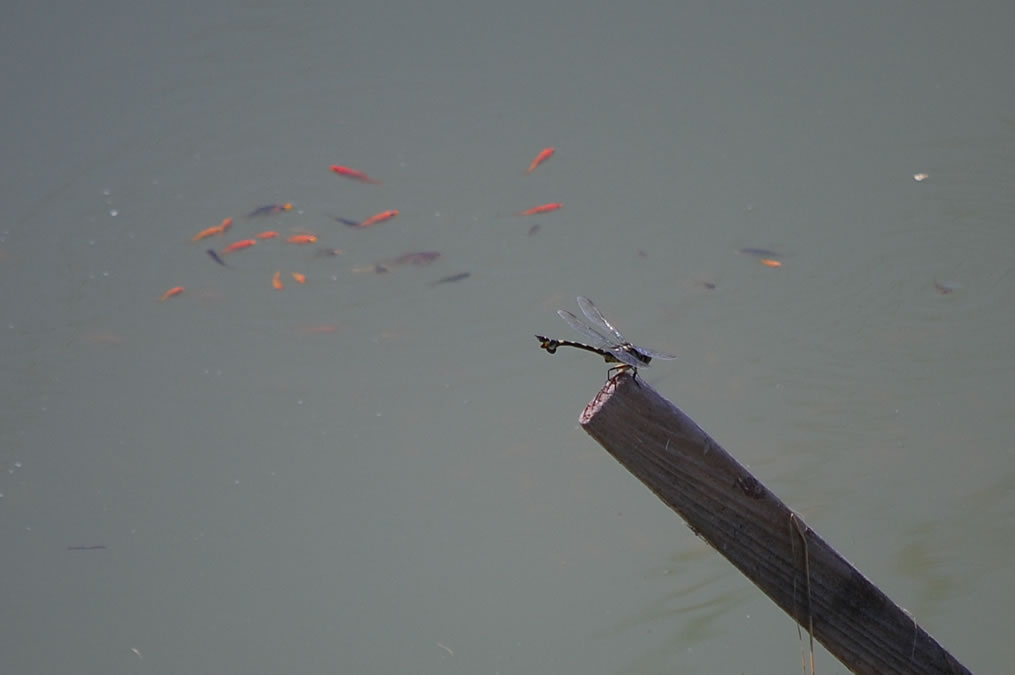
[[596, 404]]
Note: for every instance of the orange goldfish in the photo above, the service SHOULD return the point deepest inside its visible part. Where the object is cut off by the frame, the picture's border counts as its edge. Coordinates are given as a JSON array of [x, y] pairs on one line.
[[543, 155], [353, 174], [239, 245], [268, 234], [302, 239], [299, 278], [276, 281], [379, 218], [769, 262], [542, 208], [214, 230], [174, 291]]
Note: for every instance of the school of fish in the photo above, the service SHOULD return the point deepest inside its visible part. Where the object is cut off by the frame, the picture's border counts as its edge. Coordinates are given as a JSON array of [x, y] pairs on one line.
[[301, 236]]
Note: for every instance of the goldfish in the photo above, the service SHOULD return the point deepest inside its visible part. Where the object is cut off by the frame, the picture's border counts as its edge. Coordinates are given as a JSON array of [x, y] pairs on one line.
[[542, 208], [270, 209], [267, 234], [353, 174], [372, 220], [543, 155], [214, 230], [379, 217], [299, 278], [172, 292], [239, 245], [276, 281], [769, 262], [302, 239], [207, 232]]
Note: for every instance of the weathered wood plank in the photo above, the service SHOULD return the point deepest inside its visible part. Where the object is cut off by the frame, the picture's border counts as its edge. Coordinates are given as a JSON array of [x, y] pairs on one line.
[[734, 512]]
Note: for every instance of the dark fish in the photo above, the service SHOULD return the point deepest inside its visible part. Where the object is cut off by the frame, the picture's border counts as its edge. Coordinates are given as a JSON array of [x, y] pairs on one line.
[[327, 252], [535, 228], [417, 258], [759, 253], [215, 256], [94, 547], [346, 221], [452, 278], [270, 209]]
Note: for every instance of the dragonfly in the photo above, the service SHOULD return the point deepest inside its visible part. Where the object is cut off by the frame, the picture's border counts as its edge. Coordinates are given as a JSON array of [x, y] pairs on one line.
[[605, 339]]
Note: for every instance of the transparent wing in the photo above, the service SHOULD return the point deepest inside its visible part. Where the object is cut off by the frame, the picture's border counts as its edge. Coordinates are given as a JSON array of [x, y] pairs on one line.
[[600, 342], [598, 339], [625, 357], [597, 318], [654, 354]]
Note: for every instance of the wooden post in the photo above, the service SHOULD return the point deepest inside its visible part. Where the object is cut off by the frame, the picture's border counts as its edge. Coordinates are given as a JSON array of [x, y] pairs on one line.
[[730, 509]]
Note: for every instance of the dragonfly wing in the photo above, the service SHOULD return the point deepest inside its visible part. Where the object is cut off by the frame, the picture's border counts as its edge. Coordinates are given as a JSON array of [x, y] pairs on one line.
[[655, 355], [597, 318], [598, 339], [625, 357]]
